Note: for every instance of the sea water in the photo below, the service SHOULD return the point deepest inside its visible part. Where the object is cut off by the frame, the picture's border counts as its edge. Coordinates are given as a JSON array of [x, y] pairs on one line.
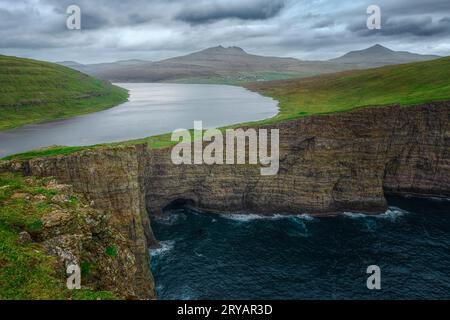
[[222, 256]]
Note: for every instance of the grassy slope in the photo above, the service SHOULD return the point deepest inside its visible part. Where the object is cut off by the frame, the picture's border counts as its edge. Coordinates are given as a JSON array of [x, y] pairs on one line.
[[406, 84], [34, 91], [26, 271]]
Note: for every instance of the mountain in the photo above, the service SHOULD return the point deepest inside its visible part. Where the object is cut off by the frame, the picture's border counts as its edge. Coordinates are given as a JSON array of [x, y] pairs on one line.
[[233, 65], [378, 55], [99, 68], [232, 59], [34, 91], [212, 65]]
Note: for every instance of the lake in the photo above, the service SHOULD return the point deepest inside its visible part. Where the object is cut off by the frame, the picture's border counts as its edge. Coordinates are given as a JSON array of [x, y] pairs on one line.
[[152, 109]]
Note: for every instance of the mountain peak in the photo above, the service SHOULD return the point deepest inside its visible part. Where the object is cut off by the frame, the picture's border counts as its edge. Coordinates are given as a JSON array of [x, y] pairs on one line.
[[379, 55], [225, 50], [379, 48]]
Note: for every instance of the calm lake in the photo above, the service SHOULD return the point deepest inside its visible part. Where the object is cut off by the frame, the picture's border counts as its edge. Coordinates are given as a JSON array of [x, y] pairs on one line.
[[153, 108]]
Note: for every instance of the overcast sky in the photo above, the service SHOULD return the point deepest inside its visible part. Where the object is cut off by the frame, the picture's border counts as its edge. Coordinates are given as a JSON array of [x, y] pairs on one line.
[[157, 29]]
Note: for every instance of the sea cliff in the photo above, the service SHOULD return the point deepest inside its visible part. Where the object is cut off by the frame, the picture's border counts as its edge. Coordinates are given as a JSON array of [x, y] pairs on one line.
[[328, 164]]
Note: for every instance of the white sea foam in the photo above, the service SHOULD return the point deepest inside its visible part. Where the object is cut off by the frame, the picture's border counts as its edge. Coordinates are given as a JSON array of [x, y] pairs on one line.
[[170, 218], [393, 213], [439, 199], [355, 215], [306, 217], [165, 247], [246, 217], [242, 217]]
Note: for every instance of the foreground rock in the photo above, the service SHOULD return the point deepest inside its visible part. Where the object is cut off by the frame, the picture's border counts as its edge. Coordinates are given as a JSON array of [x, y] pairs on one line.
[[47, 227]]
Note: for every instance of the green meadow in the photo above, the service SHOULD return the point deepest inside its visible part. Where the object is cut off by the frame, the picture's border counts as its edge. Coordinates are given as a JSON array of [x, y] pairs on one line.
[[406, 84], [35, 91]]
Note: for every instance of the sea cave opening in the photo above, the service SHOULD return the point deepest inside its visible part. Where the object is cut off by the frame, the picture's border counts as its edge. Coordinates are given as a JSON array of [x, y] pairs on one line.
[[179, 203]]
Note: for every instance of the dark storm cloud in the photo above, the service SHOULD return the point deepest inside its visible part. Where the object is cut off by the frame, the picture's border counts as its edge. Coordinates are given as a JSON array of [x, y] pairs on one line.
[[417, 26], [210, 11], [422, 27], [119, 13], [91, 21]]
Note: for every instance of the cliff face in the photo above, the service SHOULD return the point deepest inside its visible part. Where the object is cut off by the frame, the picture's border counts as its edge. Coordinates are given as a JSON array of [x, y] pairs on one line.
[[111, 180], [328, 164]]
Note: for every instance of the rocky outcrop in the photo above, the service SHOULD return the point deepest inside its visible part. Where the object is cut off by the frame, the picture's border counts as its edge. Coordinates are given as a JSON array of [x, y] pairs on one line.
[[111, 180], [328, 164]]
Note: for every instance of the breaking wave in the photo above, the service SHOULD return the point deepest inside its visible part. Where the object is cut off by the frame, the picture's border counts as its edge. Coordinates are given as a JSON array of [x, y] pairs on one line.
[[392, 214], [165, 247], [171, 218], [242, 217]]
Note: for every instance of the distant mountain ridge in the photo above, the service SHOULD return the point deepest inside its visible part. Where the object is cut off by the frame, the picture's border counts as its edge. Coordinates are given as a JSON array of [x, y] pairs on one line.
[[234, 65], [377, 56]]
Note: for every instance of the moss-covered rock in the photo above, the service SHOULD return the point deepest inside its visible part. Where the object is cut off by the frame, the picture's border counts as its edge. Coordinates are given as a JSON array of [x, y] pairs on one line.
[[42, 235]]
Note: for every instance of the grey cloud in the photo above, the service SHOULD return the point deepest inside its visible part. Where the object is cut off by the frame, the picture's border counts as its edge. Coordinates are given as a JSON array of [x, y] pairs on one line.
[[415, 26], [205, 12], [156, 29], [422, 27], [91, 21], [323, 24]]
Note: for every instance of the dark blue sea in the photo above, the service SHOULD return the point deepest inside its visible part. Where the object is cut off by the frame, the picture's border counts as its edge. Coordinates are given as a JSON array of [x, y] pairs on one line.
[[213, 256]]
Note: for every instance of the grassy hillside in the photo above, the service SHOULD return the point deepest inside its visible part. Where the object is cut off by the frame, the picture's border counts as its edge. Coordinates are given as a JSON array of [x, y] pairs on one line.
[[406, 84], [34, 91]]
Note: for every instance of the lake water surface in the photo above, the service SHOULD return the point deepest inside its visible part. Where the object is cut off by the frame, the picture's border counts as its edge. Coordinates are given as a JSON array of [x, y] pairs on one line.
[[152, 109]]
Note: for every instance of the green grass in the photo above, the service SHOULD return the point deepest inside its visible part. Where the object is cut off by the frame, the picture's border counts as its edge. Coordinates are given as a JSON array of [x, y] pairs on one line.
[[26, 271], [35, 91], [111, 251], [154, 142], [45, 152], [407, 84], [242, 78]]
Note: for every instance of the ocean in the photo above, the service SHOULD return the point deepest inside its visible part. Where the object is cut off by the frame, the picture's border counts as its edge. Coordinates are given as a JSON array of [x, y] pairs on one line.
[[221, 256]]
